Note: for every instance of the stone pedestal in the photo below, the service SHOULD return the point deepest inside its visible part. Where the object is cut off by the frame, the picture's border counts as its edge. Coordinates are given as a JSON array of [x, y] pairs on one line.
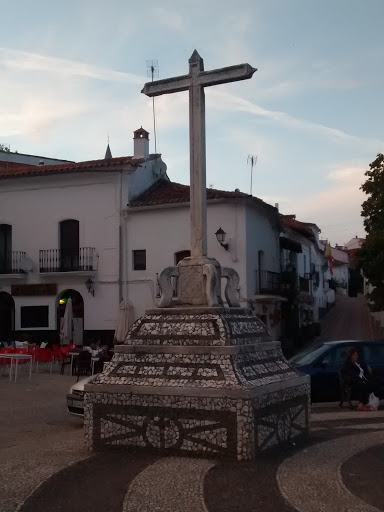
[[199, 381]]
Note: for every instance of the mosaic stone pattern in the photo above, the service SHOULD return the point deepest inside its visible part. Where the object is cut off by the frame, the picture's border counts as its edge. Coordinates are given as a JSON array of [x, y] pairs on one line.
[[220, 327], [235, 396]]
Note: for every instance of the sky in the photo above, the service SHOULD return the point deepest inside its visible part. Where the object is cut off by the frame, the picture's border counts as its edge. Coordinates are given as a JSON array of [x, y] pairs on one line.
[[71, 74]]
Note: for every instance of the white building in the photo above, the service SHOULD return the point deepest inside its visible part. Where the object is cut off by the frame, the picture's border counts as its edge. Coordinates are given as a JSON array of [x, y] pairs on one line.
[[158, 236], [310, 264], [340, 269], [101, 231], [60, 228], [23, 159]]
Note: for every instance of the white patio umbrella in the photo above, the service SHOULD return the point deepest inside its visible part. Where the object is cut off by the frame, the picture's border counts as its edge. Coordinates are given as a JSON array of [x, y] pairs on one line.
[[66, 333], [124, 322]]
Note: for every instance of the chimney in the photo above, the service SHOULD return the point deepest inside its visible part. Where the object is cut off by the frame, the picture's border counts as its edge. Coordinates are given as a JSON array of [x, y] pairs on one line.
[[140, 143]]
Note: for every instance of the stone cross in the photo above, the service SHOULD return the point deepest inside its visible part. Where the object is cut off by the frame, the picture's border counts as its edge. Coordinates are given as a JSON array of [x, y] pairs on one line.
[[195, 82]]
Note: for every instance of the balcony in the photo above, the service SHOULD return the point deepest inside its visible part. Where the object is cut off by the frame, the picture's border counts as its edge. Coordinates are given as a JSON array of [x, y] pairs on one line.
[[11, 263], [304, 283], [268, 283], [80, 260]]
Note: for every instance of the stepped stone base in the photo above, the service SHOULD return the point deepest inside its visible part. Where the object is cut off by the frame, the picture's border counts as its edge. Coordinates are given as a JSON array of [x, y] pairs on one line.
[[198, 381]]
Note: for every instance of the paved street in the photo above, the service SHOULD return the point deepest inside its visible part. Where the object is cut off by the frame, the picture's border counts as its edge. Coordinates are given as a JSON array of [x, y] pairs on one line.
[[44, 466], [349, 319]]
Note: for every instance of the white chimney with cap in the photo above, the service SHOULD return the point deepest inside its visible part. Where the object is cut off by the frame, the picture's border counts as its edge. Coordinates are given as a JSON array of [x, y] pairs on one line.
[[141, 143]]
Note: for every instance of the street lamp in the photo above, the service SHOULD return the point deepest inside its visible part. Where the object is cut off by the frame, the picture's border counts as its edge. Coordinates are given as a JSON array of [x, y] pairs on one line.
[[220, 235], [89, 284]]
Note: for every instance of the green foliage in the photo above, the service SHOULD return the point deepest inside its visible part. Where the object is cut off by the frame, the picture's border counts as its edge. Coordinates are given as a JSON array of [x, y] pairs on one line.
[[371, 255], [4, 149], [373, 207]]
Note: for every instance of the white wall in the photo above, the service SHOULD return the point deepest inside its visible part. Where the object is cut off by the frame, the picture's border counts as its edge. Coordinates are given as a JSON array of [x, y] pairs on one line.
[[262, 234], [35, 206], [164, 231]]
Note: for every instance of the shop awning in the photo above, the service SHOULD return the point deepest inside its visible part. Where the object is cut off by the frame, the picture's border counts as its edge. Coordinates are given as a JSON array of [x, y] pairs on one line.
[[290, 245]]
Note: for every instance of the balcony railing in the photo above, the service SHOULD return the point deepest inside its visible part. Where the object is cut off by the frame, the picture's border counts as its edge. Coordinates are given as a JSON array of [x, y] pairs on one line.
[[67, 260], [268, 282], [10, 263]]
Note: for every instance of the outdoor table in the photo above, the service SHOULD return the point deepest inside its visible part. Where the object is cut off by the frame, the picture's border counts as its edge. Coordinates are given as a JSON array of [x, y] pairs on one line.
[[15, 358]]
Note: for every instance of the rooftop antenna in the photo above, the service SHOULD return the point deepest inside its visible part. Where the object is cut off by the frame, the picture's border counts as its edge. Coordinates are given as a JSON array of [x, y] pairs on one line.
[[252, 159], [153, 72]]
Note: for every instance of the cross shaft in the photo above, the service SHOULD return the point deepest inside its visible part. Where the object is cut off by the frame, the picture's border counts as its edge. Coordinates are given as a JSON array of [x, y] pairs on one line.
[[195, 82]]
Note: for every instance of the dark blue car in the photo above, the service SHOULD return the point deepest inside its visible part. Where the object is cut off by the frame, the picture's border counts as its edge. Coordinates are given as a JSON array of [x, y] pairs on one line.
[[323, 362]]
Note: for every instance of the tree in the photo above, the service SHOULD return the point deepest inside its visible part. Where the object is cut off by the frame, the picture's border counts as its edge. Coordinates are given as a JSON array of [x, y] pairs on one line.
[[371, 255], [4, 148]]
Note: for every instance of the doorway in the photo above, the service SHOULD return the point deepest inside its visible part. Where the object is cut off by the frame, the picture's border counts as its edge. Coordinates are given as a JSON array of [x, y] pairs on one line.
[[77, 311], [69, 245], [7, 316]]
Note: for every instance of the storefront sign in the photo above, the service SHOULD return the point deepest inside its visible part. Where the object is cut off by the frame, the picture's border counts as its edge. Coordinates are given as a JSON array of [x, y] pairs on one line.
[[18, 290]]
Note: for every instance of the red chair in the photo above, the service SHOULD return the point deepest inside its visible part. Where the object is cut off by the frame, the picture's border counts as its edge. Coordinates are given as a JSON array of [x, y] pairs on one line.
[[43, 355]]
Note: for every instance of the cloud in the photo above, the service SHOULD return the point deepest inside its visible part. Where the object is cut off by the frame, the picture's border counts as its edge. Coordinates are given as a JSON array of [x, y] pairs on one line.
[[231, 102], [28, 62], [168, 18], [335, 210]]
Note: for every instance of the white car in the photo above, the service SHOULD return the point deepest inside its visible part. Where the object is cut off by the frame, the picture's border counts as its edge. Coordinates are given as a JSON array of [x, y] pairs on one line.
[[75, 397]]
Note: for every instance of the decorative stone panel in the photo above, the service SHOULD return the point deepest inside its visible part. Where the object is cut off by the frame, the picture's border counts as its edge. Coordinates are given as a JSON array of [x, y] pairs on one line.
[[204, 381]]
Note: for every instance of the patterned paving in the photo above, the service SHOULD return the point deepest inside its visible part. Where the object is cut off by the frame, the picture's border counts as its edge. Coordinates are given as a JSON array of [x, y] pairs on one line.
[[171, 484], [331, 472], [311, 479]]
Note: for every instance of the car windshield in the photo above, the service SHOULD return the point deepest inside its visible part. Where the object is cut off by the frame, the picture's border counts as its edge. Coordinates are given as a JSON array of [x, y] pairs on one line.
[[309, 355]]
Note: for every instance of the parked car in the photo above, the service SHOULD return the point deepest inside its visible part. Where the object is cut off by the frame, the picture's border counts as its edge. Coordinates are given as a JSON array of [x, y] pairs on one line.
[[75, 397], [323, 362]]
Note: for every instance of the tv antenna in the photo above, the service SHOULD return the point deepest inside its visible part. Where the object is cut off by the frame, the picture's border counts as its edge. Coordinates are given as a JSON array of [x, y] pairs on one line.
[[153, 72], [252, 160]]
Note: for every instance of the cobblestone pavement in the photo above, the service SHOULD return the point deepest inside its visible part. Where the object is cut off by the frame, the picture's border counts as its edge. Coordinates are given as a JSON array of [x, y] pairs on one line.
[[339, 467], [349, 319]]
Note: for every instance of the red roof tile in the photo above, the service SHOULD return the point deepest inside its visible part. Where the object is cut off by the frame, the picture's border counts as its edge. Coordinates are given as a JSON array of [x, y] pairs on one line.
[[167, 192], [20, 170], [9, 166]]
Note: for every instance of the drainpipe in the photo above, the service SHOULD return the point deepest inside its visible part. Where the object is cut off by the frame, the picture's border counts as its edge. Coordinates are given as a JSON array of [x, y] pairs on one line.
[[121, 238]]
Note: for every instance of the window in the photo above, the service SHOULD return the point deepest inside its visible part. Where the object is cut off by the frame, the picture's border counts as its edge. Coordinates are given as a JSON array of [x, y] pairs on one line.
[[338, 355], [69, 245], [34, 316], [139, 259], [5, 248], [374, 352], [181, 255], [309, 355]]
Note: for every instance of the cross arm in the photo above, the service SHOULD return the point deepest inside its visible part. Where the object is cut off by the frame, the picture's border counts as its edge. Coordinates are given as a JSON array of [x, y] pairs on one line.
[[225, 75], [167, 86]]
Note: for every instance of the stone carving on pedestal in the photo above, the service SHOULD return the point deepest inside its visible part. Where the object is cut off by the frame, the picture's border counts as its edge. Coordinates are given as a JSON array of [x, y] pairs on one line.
[[193, 376], [166, 287]]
